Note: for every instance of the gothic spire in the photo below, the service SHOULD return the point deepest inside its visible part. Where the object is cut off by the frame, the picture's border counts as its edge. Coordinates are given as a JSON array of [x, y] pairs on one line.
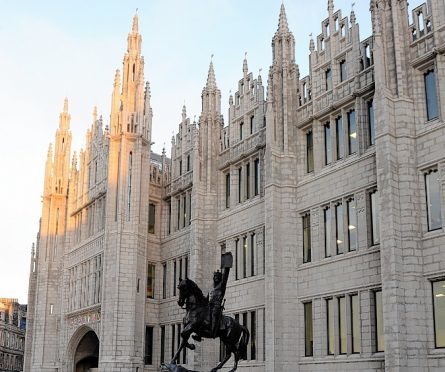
[[331, 6], [64, 117], [283, 27], [135, 28], [211, 80], [65, 105], [245, 68]]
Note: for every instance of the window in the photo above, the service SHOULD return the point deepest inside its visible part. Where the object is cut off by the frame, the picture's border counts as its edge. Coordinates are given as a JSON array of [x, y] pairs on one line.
[[339, 233], [252, 120], [241, 131], [247, 180], [148, 357], [236, 258], [328, 78], [51, 309], [173, 343], [309, 152], [186, 266], [380, 341], [352, 133], [151, 218], [188, 162], [431, 95], [151, 280], [327, 232], [439, 313], [257, 177], [342, 325], [240, 184], [327, 144], [252, 254], [227, 190], [178, 212], [355, 324], [164, 280], [308, 330], [190, 208], [432, 191], [352, 225], [169, 218], [371, 126], [174, 277], [340, 137], [252, 335], [330, 325], [180, 167], [245, 257], [162, 343], [375, 225], [343, 75], [307, 238], [184, 212]]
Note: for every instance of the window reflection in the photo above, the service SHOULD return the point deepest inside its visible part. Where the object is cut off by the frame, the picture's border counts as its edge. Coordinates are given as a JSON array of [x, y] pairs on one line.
[[432, 188], [340, 239], [439, 312]]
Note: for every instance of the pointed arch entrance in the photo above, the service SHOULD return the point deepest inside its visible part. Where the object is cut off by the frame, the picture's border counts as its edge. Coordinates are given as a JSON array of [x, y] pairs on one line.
[[84, 350]]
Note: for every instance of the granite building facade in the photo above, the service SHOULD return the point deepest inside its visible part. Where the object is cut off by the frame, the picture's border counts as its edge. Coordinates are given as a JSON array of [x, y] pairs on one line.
[[329, 191]]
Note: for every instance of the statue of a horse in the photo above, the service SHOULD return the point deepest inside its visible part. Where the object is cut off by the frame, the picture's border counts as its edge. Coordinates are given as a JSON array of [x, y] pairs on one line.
[[234, 336]]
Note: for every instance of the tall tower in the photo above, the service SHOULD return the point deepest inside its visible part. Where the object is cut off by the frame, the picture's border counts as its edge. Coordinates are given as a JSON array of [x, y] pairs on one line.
[[404, 286], [47, 310], [122, 328], [204, 250], [280, 204]]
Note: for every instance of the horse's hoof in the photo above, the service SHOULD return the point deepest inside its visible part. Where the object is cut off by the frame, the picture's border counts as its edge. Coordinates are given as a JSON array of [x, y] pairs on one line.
[[214, 370]]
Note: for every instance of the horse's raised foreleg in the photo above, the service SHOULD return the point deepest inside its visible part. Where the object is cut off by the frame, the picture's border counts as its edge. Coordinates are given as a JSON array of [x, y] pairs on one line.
[[224, 361], [185, 335], [235, 366]]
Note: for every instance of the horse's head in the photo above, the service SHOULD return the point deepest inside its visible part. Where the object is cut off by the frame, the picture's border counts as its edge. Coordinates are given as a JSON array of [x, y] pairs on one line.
[[183, 288]]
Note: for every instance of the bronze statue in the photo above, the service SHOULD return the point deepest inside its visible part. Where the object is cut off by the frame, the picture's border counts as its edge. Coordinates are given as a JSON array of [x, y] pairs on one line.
[[204, 318]]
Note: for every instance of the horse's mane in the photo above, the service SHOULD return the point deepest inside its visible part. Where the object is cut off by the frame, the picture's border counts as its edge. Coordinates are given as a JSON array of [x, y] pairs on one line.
[[197, 292]]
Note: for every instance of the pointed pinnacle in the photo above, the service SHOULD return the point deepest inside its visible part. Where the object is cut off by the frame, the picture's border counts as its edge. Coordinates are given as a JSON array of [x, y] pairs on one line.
[[245, 68], [135, 23], [330, 6], [282, 23], [65, 105], [184, 111], [117, 78], [352, 17], [211, 80]]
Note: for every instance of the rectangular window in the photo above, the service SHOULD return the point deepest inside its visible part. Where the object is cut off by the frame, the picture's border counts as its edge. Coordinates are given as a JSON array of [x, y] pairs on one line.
[[340, 137], [257, 177], [151, 218], [327, 232], [355, 324], [240, 184], [169, 218], [375, 225], [343, 75], [252, 335], [190, 208], [162, 344], [148, 357], [188, 162], [307, 238], [180, 167], [180, 270], [252, 119], [184, 207], [174, 277], [164, 280], [51, 309], [247, 180], [245, 257], [371, 127], [328, 78], [380, 340], [330, 325], [178, 203], [327, 144], [439, 313], [352, 133], [241, 131], [342, 334], [431, 95], [309, 152], [308, 330], [339, 233], [352, 225], [173, 343], [151, 280], [236, 258], [186, 266], [433, 204], [227, 190], [252, 254]]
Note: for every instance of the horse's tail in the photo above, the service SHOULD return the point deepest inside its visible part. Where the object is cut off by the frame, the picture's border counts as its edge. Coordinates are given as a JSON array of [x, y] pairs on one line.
[[242, 348]]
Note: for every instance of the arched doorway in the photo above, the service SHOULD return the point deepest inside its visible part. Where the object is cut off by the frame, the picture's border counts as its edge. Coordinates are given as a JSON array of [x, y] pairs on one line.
[[86, 351]]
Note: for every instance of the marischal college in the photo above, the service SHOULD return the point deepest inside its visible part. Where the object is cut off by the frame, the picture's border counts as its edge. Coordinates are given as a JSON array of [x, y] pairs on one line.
[[329, 192]]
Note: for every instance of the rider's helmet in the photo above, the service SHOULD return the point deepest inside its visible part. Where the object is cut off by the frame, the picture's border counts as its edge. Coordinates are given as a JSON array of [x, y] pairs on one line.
[[217, 276]]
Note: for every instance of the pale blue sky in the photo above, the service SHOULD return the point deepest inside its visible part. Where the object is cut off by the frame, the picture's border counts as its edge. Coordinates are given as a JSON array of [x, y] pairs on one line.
[[53, 49]]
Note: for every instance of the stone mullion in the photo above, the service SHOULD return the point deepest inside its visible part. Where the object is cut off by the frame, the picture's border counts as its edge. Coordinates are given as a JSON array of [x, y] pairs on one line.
[[362, 220]]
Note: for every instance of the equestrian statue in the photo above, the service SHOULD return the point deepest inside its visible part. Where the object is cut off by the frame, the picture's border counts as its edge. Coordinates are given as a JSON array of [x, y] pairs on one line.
[[204, 319]]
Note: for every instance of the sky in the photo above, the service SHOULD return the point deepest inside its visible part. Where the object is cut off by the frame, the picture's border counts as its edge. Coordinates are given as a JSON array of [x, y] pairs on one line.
[[51, 49]]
